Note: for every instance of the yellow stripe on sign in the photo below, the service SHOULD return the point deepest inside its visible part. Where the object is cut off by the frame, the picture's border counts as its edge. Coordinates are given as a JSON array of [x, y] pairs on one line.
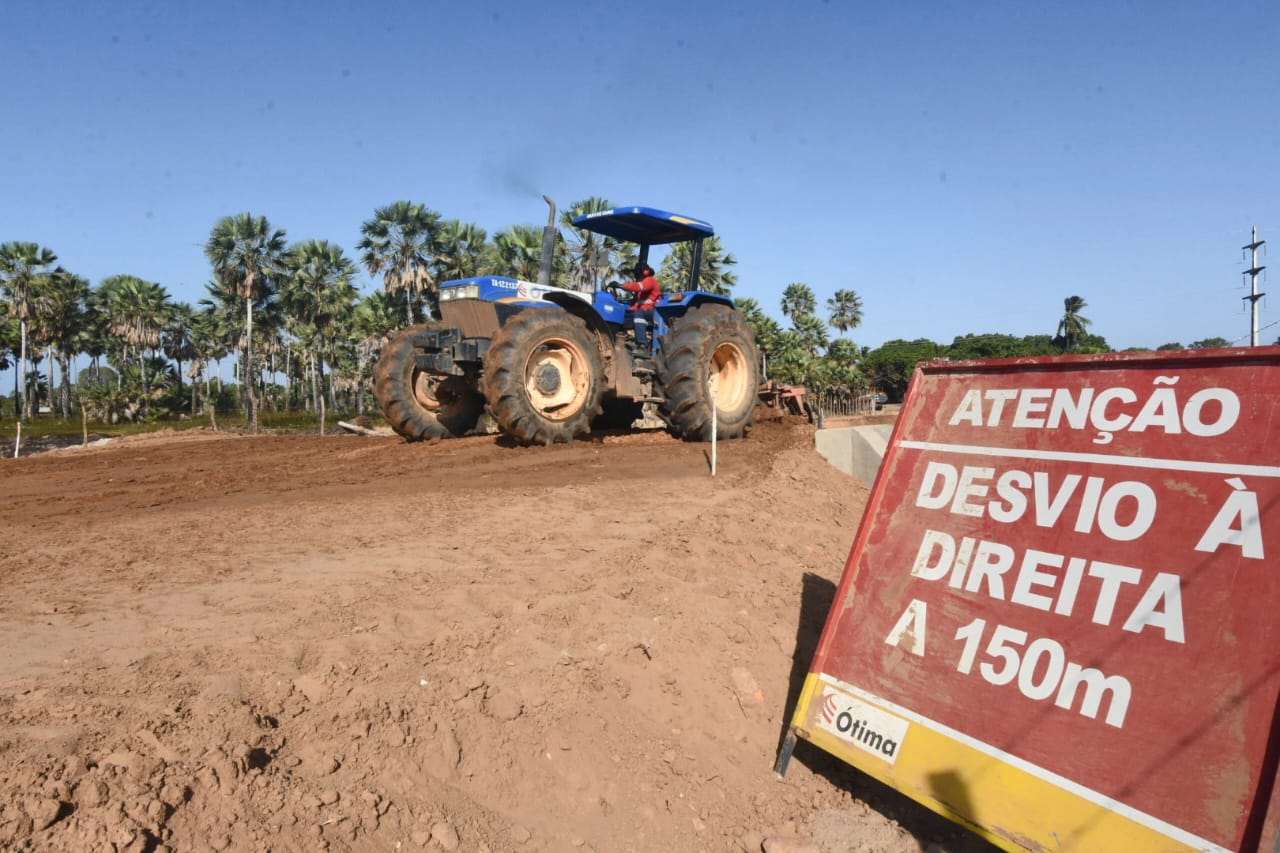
[[1011, 803]]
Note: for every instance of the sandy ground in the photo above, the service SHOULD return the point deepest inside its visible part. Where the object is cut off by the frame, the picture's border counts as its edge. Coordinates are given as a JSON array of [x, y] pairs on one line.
[[353, 643]]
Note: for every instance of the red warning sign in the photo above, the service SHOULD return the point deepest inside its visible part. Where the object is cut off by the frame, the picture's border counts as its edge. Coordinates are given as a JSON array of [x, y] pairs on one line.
[[1060, 621]]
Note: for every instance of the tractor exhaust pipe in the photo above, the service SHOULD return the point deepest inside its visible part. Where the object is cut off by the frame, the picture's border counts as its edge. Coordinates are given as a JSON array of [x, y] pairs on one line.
[[548, 245]]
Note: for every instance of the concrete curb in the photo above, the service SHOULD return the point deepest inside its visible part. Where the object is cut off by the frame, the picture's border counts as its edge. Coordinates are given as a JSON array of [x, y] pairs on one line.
[[857, 451]]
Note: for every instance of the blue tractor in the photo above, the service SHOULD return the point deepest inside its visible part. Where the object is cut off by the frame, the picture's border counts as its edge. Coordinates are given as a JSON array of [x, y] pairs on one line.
[[546, 362]]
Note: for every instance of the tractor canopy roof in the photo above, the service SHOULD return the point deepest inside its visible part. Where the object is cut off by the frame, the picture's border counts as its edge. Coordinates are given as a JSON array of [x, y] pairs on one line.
[[646, 226]]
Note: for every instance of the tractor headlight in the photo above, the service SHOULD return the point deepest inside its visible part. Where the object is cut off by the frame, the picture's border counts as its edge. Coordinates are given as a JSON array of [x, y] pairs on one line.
[[464, 291]]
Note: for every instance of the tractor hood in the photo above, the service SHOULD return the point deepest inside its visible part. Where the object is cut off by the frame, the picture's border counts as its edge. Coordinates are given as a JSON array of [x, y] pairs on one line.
[[501, 288]]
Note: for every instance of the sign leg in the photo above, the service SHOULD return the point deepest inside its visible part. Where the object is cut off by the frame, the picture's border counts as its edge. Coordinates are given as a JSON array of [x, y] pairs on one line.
[[784, 754]]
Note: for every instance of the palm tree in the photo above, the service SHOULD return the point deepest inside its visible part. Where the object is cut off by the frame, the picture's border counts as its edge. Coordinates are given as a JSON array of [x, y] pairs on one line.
[[373, 323], [798, 301], [21, 267], [137, 311], [845, 309], [1072, 328], [375, 318], [460, 250], [765, 327], [176, 336], [318, 290], [217, 329], [791, 360], [714, 274], [63, 320], [843, 352], [269, 330], [247, 254], [209, 345], [812, 332], [592, 257], [400, 242], [517, 252], [9, 349]]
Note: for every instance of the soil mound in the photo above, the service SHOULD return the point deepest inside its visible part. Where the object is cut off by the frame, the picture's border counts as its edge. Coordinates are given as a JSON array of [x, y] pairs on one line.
[[353, 643]]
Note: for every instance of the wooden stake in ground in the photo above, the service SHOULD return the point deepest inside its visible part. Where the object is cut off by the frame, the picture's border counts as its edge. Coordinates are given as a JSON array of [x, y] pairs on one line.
[[84, 425], [17, 439]]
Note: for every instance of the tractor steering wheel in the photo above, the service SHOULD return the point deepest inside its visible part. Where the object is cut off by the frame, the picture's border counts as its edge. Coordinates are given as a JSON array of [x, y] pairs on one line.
[[620, 293]]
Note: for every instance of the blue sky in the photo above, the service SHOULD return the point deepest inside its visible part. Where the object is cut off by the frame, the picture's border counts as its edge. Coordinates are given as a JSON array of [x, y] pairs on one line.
[[964, 166]]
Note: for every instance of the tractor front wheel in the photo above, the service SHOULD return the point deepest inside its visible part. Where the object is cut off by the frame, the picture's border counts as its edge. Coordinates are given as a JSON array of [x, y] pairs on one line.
[[419, 405], [543, 378], [709, 363]]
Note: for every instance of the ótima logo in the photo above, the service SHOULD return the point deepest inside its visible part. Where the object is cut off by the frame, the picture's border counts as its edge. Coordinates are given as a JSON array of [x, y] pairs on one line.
[[865, 726]]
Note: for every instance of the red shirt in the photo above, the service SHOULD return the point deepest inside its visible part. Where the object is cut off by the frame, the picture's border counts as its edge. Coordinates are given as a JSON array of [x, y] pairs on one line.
[[647, 291]]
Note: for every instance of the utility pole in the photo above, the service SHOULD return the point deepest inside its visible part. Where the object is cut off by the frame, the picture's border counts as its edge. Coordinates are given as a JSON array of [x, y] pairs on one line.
[[1253, 272]]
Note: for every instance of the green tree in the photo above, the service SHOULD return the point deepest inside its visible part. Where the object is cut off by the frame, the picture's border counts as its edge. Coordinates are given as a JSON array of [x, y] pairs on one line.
[[517, 252], [714, 275], [593, 258], [221, 323], [1210, 343], [765, 327], [791, 361], [843, 352], [1073, 326], [987, 346], [798, 301], [247, 255], [1094, 344], [375, 317], [845, 310], [63, 320], [813, 334], [373, 323], [460, 252], [9, 349], [1169, 347], [318, 291], [399, 244], [891, 366], [205, 347], [136, 311], [22, 266], [1040, 345], [176, 338]]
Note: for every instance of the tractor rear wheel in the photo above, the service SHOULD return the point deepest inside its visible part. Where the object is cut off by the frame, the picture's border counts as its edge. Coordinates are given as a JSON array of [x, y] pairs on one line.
[[543, 378], [419, 405], [709, 361]]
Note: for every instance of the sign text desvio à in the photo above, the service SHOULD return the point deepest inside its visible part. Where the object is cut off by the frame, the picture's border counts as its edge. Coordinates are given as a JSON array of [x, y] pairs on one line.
[[1060, 620]]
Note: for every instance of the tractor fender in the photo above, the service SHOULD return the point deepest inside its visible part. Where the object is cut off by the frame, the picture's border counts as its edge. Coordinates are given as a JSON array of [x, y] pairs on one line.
[[696, 303]]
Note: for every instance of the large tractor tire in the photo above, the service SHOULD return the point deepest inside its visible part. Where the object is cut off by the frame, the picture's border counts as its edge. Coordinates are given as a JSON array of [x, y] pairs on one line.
[[543, 378], [711, 356], [418, 405]]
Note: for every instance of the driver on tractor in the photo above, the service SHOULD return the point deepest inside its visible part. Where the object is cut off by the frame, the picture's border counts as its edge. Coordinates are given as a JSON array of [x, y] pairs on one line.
[[648, 291]]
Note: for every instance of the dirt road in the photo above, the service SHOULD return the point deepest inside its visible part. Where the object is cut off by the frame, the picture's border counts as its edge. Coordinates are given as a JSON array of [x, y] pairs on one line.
[[351, 643]]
